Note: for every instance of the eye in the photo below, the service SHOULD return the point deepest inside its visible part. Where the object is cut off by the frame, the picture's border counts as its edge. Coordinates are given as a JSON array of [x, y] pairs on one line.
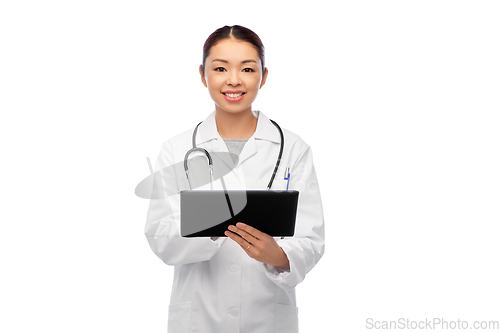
[[219, 69], [248, 70]]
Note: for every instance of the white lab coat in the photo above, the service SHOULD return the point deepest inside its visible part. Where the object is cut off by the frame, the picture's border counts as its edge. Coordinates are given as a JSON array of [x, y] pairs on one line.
[[217, 287]]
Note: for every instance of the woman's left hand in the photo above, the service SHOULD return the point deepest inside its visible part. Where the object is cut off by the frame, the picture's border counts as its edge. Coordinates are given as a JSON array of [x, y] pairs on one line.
[[258, 245]]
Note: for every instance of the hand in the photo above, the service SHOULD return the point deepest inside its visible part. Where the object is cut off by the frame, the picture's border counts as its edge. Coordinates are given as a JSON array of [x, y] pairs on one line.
[[258, 245]]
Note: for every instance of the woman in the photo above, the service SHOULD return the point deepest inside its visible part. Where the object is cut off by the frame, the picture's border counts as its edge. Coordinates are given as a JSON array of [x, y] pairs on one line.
[[244, 282]]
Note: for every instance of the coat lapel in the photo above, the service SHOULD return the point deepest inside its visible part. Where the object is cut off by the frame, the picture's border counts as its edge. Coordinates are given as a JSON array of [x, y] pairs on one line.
[[209, 137]]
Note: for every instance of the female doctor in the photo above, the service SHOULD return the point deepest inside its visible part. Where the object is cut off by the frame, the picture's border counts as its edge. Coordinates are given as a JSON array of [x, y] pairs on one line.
[[244, 282]]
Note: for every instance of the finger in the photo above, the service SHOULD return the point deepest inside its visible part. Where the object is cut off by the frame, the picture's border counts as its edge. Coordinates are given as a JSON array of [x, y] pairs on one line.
[[245, 245], [248, 237], [237, 238], [251, 230]]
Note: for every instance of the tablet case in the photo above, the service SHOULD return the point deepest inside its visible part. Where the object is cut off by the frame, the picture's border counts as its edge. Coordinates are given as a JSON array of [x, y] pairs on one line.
[[208, 213]]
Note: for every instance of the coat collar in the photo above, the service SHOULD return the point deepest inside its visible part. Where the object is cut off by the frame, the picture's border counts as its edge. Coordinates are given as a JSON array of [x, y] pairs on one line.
[[265, 130]]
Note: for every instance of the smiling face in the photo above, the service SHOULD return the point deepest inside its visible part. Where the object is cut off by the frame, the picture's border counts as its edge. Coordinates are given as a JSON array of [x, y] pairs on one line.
[[233, 75]]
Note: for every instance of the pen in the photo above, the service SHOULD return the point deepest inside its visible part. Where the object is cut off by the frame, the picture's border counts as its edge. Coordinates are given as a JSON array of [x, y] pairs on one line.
[[287, 177]]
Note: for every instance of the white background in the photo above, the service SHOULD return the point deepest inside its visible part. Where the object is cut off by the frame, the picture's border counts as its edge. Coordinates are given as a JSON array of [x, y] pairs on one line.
[[399, 101]]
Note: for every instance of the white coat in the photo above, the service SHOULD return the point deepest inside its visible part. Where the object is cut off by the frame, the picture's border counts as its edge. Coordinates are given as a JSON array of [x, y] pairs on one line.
[[217, 287]]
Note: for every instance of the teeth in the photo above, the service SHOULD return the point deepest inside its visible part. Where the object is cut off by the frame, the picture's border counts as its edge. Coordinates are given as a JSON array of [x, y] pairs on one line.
[[233, 95]]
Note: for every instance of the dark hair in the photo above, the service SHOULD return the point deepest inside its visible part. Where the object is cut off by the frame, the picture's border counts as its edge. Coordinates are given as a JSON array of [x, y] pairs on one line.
[[237, 32]]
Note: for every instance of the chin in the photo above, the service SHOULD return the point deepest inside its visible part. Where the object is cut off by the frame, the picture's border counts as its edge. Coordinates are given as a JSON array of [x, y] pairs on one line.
[[234, 109]]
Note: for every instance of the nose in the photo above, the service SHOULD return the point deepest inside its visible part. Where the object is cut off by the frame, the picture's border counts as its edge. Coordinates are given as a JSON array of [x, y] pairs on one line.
[[233, 78]]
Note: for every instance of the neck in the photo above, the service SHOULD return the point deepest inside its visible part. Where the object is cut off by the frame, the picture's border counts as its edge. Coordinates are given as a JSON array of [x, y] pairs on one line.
[[239, 125]]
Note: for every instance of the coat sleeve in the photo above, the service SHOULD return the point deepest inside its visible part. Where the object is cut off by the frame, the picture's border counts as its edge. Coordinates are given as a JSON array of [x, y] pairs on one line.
[[163, 219], [307, 246]]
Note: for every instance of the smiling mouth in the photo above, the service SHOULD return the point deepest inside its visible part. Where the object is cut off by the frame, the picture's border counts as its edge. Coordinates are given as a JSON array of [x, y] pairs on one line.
[[234, 95]]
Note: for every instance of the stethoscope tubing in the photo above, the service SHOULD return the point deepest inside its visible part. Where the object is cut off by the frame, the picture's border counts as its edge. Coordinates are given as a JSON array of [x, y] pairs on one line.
[[210, 162], [278, 161]]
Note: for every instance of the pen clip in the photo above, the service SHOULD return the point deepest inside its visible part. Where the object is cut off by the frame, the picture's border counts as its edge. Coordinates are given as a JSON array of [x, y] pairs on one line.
[[287, 173], [287, 177]]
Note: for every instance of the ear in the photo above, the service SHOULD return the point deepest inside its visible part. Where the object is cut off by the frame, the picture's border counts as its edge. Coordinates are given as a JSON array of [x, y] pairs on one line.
[[264, 78], [203, 77]]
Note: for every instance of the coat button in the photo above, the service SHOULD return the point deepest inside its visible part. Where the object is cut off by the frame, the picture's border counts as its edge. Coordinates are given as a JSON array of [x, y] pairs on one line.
[[234, 312], [233, 268]]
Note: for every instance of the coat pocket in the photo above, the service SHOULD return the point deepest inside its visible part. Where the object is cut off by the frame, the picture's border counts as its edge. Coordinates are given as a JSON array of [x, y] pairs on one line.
[[179, 317], [287, 319]]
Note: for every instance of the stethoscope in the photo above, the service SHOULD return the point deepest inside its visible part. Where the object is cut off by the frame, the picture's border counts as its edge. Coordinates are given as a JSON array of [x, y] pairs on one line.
[[210, 164]]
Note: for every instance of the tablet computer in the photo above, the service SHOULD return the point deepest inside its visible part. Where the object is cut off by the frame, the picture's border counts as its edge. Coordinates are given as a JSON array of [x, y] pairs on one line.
[[208, 213]]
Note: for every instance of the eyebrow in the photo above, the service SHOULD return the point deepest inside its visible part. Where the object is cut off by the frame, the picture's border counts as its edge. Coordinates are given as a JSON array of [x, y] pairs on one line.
[[243, 62]]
